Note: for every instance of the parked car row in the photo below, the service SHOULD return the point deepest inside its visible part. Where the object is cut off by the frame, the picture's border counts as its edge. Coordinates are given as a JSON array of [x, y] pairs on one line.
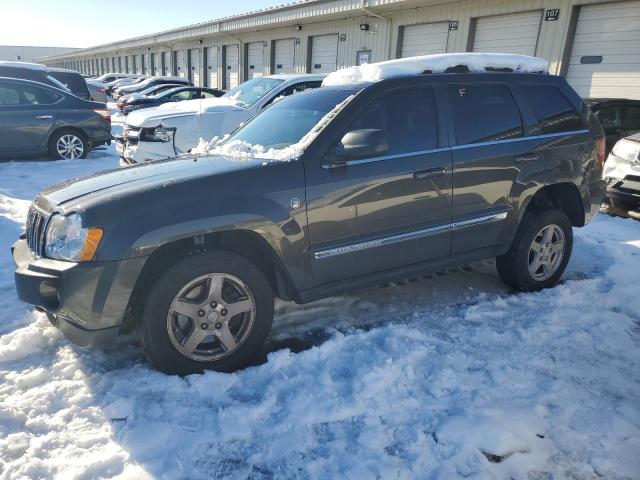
[[409, 173], [161, 132]]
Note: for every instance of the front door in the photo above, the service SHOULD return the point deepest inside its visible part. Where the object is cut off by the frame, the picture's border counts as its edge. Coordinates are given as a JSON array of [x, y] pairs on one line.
[[389, 209]]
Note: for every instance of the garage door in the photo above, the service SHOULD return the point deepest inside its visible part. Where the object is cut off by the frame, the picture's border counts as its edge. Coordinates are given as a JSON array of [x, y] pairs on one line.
[[255, 60], [324, 53], [514, 33], [424, 39], [212, 67], [605, 58], [231, 78], [194, 66], [154, 64], [166, 63], [181, 63], [283, 55]]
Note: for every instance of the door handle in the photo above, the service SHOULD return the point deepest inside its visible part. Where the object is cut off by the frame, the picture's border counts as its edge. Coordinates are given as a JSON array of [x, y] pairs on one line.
[[44, 117], [534, 157], [429, 173]]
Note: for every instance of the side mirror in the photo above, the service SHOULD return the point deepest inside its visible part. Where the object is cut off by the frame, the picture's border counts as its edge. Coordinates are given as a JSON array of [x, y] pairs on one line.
[[366, 142]]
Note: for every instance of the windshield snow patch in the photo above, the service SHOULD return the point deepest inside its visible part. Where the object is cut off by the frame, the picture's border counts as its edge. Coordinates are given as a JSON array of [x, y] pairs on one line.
[[239, 149]]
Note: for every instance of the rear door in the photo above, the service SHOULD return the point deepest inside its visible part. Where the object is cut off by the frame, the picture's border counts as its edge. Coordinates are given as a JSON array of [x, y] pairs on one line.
[[386, 210], [27, 116], [489, 149]]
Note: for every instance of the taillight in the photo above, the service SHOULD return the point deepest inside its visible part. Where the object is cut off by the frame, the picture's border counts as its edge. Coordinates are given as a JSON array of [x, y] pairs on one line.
[[103, 112], [600, 149], [101, 90]]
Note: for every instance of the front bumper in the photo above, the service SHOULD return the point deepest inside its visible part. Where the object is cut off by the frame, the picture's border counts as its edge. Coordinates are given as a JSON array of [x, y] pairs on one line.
[[131, 153], [88, 299], [626, 190]]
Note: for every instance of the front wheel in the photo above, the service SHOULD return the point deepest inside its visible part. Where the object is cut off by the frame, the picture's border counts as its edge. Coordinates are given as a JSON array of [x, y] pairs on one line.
[[68, 145], [539, 252], [210, 311]]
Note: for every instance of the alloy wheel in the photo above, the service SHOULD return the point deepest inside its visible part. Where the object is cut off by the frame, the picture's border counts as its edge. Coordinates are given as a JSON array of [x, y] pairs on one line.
[[211, 316], [70, 146], [546, 252]]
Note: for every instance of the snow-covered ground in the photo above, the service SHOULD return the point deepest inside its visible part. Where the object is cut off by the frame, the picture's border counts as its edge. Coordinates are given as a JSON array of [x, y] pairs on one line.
[[445, 376]]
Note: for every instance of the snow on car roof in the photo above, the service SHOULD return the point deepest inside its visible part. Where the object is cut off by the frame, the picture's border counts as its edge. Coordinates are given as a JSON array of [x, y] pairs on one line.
[[438, 63]]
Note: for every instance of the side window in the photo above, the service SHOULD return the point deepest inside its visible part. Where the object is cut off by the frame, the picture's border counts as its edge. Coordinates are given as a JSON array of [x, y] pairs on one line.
[[609, 117], [184, 95], [484, 113], [552, 109], [631, 117], [38, 96], [207, 95], [406, 117], [9, 95]]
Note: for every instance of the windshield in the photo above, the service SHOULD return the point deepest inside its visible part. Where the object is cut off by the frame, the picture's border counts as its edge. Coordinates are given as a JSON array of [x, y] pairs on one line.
[[285, 122], [250, 92]]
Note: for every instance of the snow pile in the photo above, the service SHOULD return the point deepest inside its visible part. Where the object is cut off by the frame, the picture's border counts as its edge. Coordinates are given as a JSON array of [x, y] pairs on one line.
[[450, 376], [438, 63]]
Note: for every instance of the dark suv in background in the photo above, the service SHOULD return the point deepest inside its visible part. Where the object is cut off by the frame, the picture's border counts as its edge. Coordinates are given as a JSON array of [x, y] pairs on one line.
[[36, 119], [73, 81], [337, 188]]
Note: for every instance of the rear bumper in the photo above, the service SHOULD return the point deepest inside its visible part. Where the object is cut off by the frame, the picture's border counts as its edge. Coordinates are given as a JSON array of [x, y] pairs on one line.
[[593, 203], [88, 299]]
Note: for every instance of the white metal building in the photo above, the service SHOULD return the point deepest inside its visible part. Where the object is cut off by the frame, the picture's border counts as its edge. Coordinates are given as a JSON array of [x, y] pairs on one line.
[[594, 43]]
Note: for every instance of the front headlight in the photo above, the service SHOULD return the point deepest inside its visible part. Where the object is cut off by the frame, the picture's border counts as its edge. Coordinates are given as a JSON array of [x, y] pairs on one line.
[[66, 239]]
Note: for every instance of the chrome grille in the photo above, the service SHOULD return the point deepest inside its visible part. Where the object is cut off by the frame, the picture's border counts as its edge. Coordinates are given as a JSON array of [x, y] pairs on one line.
[[35, 231]]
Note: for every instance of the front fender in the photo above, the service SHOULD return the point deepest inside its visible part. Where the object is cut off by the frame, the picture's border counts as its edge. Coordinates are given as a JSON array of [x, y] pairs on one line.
[[256, 200]]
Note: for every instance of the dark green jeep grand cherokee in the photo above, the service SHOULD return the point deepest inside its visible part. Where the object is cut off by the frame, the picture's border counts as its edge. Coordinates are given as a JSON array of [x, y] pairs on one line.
[[406, 175]]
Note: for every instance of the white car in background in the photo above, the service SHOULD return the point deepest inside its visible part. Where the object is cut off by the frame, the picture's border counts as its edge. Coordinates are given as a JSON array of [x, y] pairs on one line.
[[173, 129]]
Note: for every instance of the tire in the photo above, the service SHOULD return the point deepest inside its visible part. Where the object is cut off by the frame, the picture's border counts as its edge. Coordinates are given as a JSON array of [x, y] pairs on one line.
[[520, 267], [205, 286], [68, 145]]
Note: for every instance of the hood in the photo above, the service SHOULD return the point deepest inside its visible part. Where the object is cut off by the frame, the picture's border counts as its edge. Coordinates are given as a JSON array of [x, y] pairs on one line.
[[124, 181], [151, 117]]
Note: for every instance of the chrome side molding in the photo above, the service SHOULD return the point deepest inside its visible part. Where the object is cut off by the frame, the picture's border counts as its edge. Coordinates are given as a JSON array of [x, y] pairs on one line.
[[426, 232]]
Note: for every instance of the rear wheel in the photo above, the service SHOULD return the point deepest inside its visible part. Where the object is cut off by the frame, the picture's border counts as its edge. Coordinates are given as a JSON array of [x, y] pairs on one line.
[[68, 145], [539, 253], [211, 311]]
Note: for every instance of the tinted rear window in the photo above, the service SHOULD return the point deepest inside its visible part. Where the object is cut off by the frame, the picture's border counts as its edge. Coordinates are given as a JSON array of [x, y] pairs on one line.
[[484, 113], [552, 109]]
